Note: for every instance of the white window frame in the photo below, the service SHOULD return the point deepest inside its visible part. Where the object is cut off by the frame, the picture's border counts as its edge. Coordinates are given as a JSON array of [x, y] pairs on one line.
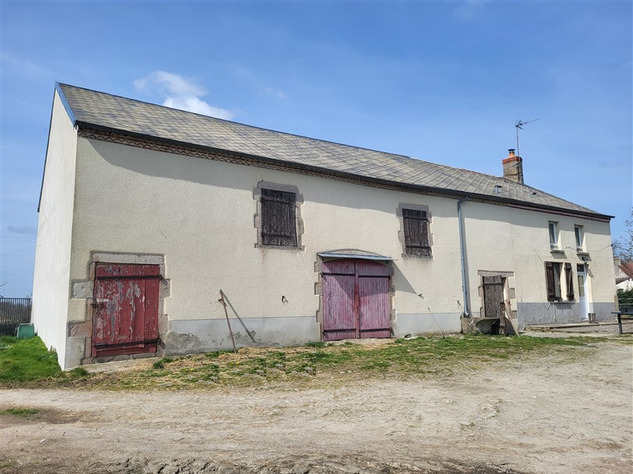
[[579, 235], [554, 238]]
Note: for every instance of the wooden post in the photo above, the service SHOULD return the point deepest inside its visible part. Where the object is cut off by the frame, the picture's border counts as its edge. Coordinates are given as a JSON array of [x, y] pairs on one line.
[[226, 313]]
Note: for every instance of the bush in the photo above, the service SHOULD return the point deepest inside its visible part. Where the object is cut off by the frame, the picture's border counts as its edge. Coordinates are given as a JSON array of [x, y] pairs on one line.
[[625, 297]]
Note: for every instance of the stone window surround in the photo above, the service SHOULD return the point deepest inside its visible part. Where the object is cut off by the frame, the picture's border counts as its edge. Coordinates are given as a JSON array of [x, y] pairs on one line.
[[288, 188], [84, 289], [401, 237]]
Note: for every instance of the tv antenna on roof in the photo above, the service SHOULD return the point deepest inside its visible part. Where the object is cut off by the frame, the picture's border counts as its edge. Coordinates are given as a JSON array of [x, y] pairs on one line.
[[519, 125]]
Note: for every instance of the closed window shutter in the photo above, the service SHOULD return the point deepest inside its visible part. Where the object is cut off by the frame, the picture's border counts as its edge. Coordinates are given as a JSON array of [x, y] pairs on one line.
[[550, 279], [278, 218], [416, 232], [569, 279]]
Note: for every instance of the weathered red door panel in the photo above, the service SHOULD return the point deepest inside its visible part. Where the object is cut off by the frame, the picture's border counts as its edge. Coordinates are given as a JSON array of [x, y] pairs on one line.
[[374, 307], [355, 299], [125, 318], [369, 268], [339, 316]]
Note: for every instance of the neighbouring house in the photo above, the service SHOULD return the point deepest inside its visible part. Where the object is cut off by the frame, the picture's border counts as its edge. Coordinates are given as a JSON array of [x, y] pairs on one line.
[[148, 213], [623, 275]]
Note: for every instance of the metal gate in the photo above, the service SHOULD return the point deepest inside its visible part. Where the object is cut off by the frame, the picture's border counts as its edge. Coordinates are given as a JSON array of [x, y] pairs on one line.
[[13, 312], [356, 300], [125, 317]]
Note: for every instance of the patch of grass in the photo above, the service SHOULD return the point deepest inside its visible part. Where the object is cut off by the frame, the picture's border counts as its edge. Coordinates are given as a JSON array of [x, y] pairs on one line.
[[78, 372], [316, 363], [160, 363], [24, 360], [20, 411], [318, 344]]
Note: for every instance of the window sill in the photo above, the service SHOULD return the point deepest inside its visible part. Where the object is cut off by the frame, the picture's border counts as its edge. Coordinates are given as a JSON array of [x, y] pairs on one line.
[[555, 251], [279, 247], [416, 255], [582, 253]]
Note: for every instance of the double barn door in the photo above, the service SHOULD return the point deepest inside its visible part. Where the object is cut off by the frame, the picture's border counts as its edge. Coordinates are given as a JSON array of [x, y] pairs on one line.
[[356, 300]]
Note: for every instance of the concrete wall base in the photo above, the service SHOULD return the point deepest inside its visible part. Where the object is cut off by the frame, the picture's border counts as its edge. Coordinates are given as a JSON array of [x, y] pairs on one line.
[[530, 314], [205, 335], [424, 323]]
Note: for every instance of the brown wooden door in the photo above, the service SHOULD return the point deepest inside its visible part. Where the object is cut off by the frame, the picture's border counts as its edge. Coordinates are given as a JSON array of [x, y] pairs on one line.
[[494, 305], [355, 300], [125, 317]]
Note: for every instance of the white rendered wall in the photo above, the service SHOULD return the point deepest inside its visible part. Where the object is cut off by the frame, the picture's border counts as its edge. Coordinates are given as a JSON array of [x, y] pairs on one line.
[[52, 255], [199, 215], [506, 239]]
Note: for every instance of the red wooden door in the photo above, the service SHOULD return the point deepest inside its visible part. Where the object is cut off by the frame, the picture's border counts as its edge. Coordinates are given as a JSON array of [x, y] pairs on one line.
[[355, 300], [125, 317]]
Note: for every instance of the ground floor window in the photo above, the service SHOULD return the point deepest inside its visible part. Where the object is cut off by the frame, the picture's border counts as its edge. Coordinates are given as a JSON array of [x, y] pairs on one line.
[[552, 274]]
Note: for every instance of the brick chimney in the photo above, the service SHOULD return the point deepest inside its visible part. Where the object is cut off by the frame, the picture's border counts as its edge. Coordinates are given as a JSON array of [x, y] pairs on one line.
[[513, 167]]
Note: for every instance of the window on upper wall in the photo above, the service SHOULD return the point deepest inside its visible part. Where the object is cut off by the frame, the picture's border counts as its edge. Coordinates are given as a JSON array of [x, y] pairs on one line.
[[415, 230], [578, 231], [552, 279], [553, 235], [277, 219]]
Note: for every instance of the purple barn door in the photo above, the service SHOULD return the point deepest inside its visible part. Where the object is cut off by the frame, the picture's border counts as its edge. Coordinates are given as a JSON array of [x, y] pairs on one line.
[[355, 300]]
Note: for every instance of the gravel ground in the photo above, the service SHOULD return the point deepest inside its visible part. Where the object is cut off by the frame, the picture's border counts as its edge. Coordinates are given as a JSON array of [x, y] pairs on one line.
[[572, 412]]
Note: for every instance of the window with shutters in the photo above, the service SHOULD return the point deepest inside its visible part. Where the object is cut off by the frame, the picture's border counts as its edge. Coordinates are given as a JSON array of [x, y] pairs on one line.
[[277, 219], [552, 276], [415, 233]]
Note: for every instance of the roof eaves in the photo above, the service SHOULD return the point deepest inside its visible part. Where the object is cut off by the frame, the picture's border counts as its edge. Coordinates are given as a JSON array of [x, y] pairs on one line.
[[438, 191]]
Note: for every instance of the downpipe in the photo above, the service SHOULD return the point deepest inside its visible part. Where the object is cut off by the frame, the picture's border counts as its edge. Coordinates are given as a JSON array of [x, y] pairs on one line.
[[462, 252]]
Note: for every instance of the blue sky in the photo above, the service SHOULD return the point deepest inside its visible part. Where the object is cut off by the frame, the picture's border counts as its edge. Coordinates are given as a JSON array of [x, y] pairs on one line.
[[442, 81]]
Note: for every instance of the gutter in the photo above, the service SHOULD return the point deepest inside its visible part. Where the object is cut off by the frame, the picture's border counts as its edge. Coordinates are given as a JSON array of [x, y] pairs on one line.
[[462, 252]]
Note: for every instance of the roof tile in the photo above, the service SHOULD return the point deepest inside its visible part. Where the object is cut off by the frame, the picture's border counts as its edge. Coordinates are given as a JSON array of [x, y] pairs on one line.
[[163, 123]]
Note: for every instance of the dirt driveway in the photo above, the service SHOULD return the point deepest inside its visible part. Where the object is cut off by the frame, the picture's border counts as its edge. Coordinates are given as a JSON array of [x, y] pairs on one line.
[[571, 413]]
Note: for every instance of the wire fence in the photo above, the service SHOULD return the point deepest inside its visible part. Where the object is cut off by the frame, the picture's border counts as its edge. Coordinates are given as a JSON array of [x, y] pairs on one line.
[[13, 312]]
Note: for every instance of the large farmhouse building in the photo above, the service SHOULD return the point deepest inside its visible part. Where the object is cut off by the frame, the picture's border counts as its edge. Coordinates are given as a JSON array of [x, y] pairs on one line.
[[155, 224]]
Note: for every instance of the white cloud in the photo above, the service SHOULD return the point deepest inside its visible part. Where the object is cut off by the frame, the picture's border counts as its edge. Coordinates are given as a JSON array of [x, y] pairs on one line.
[[277, 93], [25, 68], [180, 93], [25, 229]]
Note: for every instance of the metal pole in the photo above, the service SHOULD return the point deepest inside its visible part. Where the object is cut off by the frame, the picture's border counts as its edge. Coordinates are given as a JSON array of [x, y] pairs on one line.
[[518, 152], [226, 313]]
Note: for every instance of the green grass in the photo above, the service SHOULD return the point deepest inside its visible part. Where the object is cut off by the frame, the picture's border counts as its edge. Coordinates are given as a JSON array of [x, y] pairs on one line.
[[23, 360], [19, 411]]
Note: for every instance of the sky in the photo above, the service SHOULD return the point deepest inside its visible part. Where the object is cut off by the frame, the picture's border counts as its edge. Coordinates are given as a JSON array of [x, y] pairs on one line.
[[443, 81]]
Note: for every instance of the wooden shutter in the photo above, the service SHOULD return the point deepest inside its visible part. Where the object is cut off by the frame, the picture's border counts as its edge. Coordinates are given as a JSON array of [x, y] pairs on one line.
[[569, 280], [416, 232], [552, 272], [278, 219], [551, 287]]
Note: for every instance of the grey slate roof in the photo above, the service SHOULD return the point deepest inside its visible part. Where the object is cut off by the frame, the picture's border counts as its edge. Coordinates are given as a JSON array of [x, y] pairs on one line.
[[119, 114]]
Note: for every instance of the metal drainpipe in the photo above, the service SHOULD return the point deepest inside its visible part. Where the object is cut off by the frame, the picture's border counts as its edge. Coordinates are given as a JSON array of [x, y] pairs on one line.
[[462, 251]]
